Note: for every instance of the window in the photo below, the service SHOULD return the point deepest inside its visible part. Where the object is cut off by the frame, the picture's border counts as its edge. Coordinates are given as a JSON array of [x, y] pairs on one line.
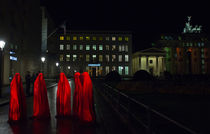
[[126, 70], [94, 58], [81, 38], [87, 47], [74, 47], [61, 57], [107, 58], [126, 48], [87, 57], [202, 44], [113, 58], [119, 38], [100, 47], [67, 57], [120, 68], [120, 48], [68, 47], [87, 37], [61, 47], [94, 47], [113, 68], [101, 58], [107, 47], [107, 38], [75, 38], [126, 38], [113, 38], [67, 37], [107, 69], [120, 58], [80, 57], [74, 57], [61, 37], [113, 47], [126, 58], [94, 38], [80, 47], [100, 38], [123, 48]]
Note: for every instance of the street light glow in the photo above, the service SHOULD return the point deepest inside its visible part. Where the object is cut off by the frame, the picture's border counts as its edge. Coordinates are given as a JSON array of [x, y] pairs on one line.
[[2, 44], [69, 67], [43, 59], [57, 64]]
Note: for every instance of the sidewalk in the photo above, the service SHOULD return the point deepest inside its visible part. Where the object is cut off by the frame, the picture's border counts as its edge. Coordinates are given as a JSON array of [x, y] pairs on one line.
[[6, 92]]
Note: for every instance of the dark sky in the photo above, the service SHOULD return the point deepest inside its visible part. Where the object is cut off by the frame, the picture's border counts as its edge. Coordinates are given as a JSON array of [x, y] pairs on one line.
[[147, 20]]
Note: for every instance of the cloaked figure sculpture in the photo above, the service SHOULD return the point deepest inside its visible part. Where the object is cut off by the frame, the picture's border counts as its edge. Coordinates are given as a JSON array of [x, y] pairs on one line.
[[87, 113], [41, 105], [17, 105], [63, 104], [77, 95]]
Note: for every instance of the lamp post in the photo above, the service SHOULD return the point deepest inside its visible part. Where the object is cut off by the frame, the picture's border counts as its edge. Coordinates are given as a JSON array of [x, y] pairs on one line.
[[57, 70], [42, 65], [2, 44]]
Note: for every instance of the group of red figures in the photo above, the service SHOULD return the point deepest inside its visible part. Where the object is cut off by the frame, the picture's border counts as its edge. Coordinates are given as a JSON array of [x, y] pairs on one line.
[[83, 105]]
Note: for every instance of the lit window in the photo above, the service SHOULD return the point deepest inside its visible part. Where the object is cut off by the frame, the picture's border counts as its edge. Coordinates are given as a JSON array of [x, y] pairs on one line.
[[202, 44], [126, 48], [87, 37], [113, 68], [67, 57], [107, 38], [68, 47], [202, 61], [126, 38], [74, 57], [113, 47], [87, 47], [120, 68], [94, 38], [120, 58], [113, 38], [80, 38], [67, 37], [100, 38], [107, 69], [74, 47], [107, 58], [94, 47], [61, 37], [61, 47], [107, 47], [126, 70], [87, 57], [100, 58], [61, 57], [80, 47], [113, 58], [94, 58], [123, 48], [119, 38], [75, 38], [126, 58], [100, 47], [120, 48]]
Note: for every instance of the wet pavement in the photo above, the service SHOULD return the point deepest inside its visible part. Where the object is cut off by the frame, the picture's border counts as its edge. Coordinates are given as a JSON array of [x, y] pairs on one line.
[[107, 122]]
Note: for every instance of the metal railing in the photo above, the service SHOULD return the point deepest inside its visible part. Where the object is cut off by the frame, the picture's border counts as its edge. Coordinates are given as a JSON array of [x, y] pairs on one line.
[[143, 116]]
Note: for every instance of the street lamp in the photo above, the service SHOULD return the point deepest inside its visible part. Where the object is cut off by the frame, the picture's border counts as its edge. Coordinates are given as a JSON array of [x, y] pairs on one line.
[[43, 60], [2, 44], [57, 64]]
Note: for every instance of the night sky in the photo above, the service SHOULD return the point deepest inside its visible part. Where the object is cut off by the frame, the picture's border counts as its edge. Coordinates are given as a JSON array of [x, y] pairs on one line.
[[147, 20]]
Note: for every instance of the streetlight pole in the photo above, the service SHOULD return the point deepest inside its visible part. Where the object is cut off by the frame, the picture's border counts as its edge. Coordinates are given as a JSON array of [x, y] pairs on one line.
[[57, 69], [2, 44]]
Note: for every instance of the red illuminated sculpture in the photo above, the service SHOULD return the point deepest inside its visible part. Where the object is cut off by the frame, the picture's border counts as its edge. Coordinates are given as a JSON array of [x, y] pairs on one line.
[[41, 105], [63, 104], [87, 112], [77, 95], [17, 105]]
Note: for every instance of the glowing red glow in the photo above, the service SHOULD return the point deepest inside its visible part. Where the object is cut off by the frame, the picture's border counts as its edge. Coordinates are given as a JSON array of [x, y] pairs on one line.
[[63, 104], [41, 105], [77, 95], [17, 106], [87, 113]]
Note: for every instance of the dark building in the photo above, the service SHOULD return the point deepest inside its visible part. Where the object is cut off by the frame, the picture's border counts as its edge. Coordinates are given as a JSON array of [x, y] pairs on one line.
[[97, 52]]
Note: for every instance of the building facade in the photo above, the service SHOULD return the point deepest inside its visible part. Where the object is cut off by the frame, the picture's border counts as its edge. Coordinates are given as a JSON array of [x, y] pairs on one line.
[[97, 52], [151, 60]]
